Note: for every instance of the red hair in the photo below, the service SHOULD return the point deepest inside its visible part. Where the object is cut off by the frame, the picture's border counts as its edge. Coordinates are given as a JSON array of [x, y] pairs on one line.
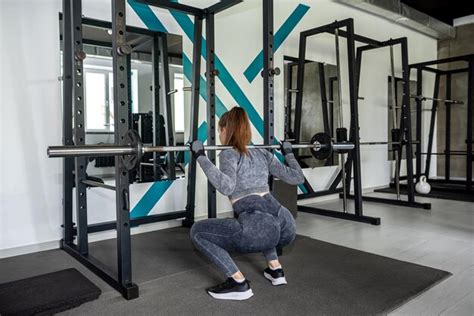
[[238, 131]]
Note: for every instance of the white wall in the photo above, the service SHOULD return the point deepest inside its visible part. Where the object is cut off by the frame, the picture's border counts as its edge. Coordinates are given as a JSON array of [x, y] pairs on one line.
[[30, 202]]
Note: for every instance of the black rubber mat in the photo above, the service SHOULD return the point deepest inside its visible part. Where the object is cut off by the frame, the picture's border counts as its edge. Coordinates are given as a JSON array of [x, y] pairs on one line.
[[46, 294], [436, 193], [324, 279]]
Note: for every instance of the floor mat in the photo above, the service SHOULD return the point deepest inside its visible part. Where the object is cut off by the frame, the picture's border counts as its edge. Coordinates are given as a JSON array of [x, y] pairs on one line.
[[437, 192], [46, 294], [323, 278]]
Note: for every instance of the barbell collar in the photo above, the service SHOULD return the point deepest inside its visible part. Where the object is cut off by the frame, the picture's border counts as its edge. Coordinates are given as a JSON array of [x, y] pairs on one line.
[[342, 147]]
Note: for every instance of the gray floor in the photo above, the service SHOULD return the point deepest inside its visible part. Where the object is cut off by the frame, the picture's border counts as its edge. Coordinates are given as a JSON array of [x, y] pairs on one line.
[[320, 276], [442, 238]]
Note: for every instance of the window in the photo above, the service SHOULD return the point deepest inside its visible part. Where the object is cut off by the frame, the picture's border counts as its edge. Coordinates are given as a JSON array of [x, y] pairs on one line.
[[99, 97], [97, 109]]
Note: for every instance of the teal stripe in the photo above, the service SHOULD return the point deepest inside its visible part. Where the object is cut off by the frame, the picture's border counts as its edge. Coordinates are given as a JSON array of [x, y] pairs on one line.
[[280, 36], [147, 16], [158, 189], [150, 198], [224, 75], [187, 69]]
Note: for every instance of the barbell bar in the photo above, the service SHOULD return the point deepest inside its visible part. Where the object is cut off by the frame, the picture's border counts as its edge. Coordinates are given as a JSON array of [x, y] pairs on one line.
[[387, 143], [424, 98], [321, 144]]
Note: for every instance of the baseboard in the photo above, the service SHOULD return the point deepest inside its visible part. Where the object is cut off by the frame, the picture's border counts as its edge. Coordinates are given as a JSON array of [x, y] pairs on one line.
[[26, 249], [55, 244], [318, 199], [335, 196]]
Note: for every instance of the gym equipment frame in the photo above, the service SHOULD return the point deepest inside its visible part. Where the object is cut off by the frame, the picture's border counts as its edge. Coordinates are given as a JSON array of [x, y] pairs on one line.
[[354, 155], [158, 48], [456, 189], [74, 169], [404, 135]]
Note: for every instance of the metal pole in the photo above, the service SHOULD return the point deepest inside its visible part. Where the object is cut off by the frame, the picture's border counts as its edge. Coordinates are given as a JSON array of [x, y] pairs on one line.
[[406, 113], [385, 143], [394, 122], [91, 150], [156, 105], [339, 83], [341, 121], [423, 98], [98, 184], [434, 108], [331, 112], [68, 164], [164, 90], [470, 104], [447, 150], [211, 109], [268, 78], [194, 118], [324, 101], [354, 119], [419, 122], [79, 126], [289, 83], [121, 121]]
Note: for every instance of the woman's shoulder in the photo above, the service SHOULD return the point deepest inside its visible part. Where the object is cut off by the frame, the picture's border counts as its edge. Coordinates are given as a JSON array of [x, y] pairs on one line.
[[229, 154], [234, 154], [262, 153]]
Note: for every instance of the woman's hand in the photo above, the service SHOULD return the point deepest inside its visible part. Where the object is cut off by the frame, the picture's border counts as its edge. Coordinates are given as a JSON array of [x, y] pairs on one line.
[[286, 148], [197, 149]]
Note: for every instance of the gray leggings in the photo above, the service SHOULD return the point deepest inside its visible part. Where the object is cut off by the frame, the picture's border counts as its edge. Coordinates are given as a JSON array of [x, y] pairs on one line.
[[261, 225]]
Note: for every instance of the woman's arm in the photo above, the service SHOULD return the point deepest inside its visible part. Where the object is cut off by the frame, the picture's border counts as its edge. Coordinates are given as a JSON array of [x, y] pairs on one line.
[[291, 174], [222, 179]]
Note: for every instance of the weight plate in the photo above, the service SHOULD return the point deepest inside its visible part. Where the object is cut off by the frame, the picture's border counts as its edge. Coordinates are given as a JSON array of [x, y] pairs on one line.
[[325, 151], [132, 139]]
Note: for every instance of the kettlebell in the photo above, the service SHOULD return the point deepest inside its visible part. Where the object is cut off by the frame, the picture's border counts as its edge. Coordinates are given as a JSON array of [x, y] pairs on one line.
[[422, 186]]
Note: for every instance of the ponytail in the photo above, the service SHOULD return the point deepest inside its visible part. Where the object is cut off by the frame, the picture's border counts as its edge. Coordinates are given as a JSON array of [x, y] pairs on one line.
[[238, 132]]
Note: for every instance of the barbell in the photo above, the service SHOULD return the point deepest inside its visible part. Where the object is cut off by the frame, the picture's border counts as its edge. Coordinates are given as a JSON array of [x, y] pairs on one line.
[[321, 144]]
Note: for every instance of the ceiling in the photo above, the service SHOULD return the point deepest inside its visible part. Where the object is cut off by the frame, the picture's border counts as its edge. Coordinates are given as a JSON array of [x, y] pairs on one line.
[[443, 10]]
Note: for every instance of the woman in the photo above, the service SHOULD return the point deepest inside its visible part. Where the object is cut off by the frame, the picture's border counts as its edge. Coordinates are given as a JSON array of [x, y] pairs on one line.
[[261, 224]]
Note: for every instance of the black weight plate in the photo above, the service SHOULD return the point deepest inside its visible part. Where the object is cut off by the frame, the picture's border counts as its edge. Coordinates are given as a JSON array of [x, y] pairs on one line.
[[133, 140], [325, 151]]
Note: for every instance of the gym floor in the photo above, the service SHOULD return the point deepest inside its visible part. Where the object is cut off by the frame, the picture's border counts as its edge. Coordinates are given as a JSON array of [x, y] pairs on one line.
[[442, 238]]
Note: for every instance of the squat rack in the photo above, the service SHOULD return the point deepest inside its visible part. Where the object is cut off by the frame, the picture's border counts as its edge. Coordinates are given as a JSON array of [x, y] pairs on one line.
[[74, 169], [404, 137], [455, 186], [74, 134], [446, 188], [354, 155]]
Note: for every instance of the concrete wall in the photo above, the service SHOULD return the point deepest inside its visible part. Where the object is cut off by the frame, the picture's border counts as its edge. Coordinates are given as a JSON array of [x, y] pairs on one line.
[[463, 44]]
